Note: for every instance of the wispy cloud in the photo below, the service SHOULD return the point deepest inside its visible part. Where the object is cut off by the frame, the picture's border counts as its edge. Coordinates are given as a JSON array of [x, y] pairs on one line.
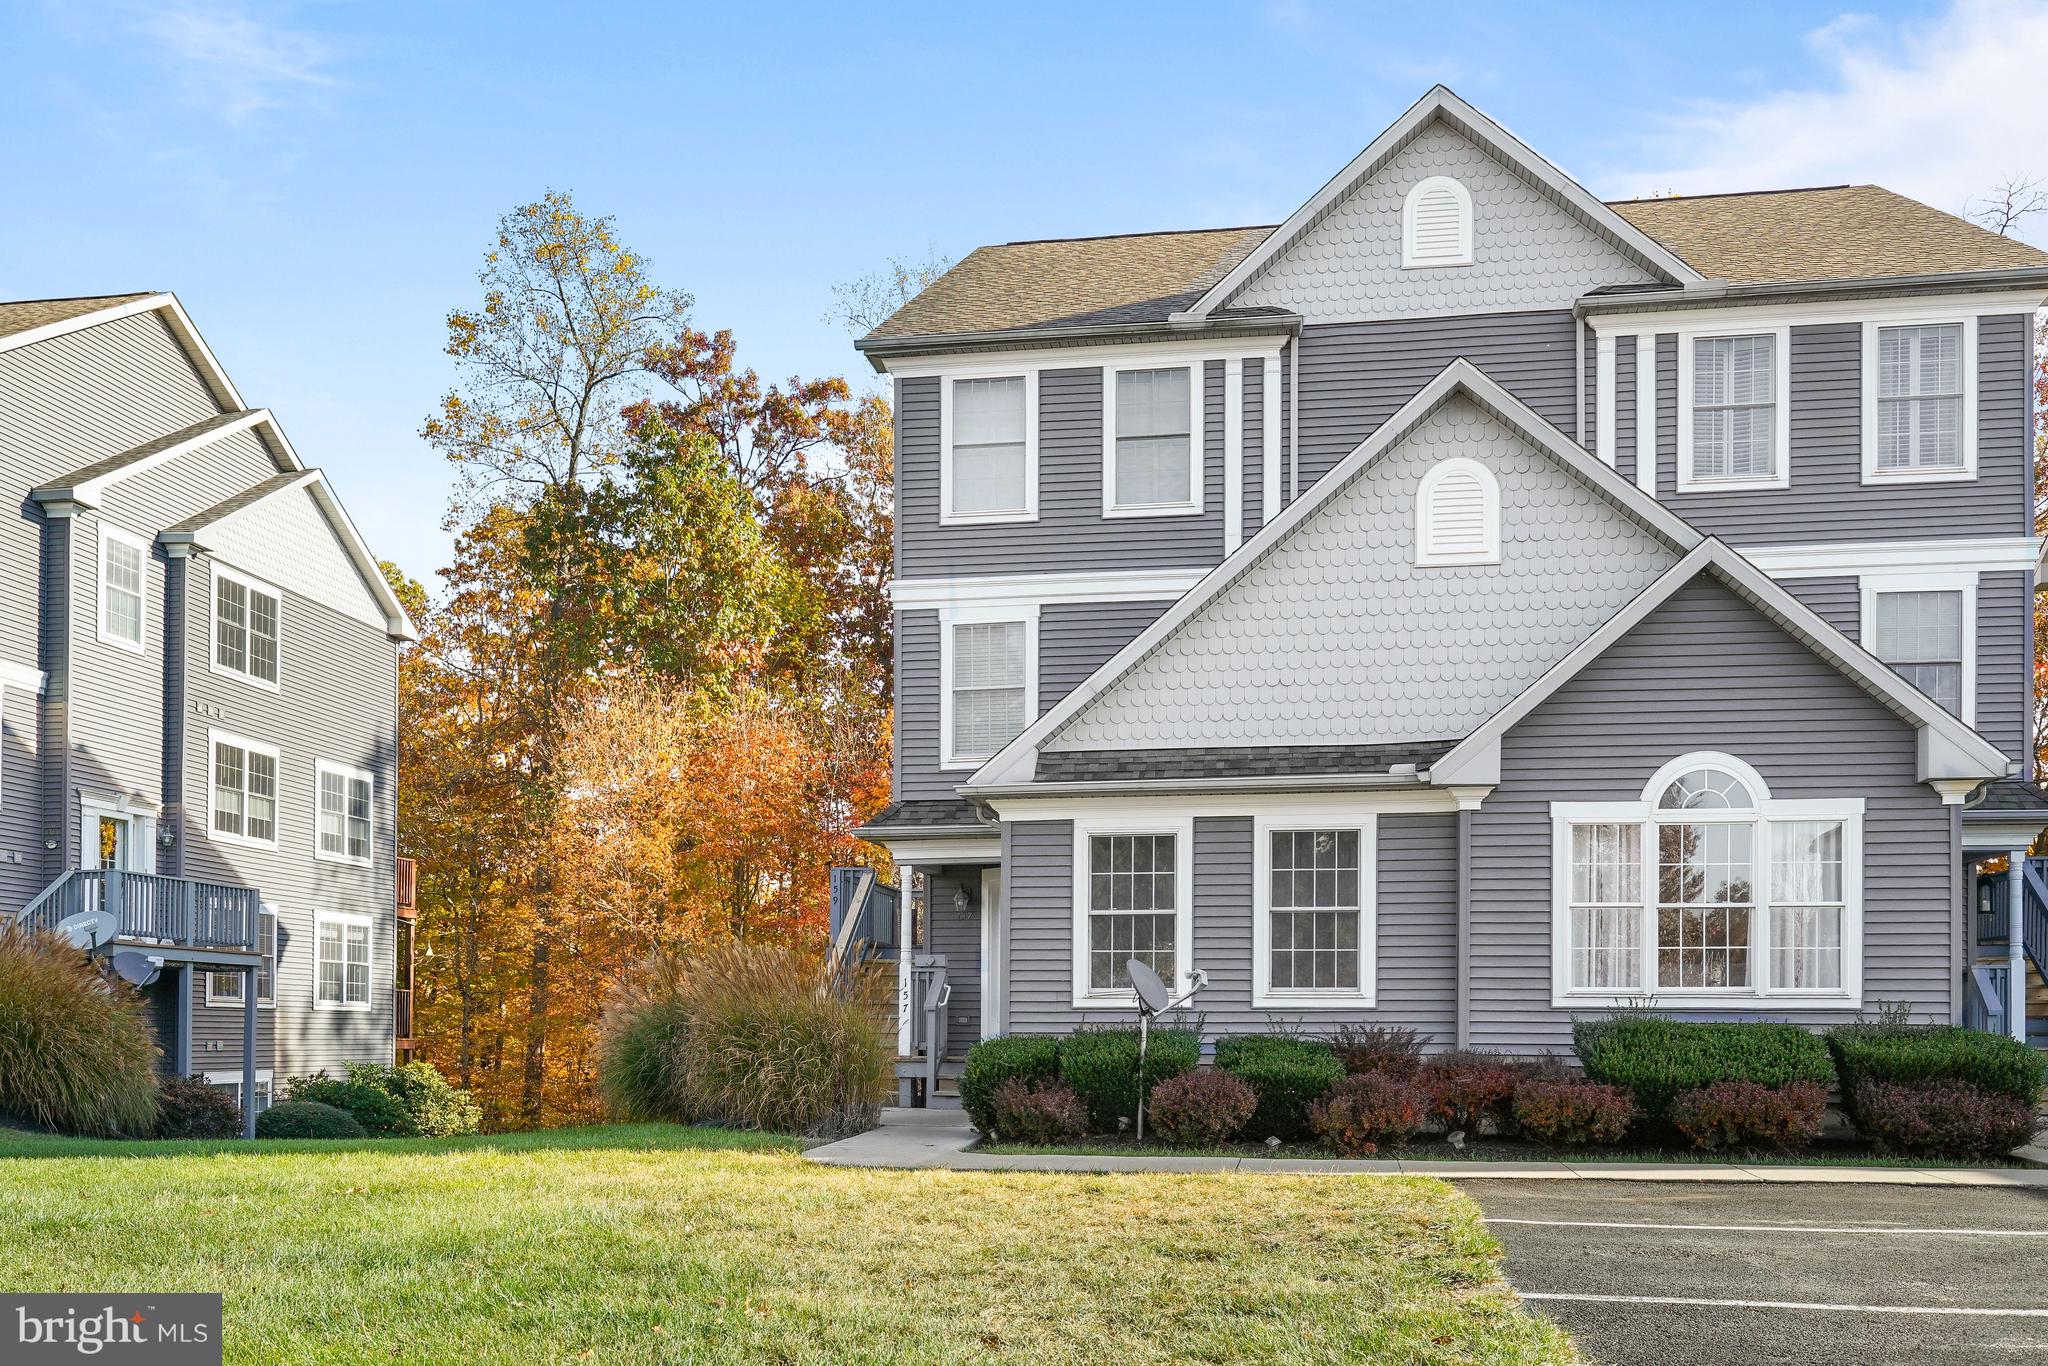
[[1941, 110], [238, 65]]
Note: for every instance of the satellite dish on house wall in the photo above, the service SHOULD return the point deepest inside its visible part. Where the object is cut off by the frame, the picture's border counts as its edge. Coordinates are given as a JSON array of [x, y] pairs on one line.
[[1152, 994], [138, 968], [88, 929]]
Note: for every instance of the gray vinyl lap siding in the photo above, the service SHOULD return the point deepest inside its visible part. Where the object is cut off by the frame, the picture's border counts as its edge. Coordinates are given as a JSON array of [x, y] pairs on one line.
[[1837, 600], [1670, 687], [957, 935], [1077, 638], [1827, 501], [1354, 376], [1416, 941]]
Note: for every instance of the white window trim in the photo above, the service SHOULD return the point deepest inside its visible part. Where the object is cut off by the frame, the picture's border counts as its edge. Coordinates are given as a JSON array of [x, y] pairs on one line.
[[1425, 553], [960, 616], [1968, 471], [221, 571], [141, 644], [1409, 261], [1264, 994], [323, 766], [947, 516], [1182, 828], [262, 1002], [234, 1079], [344, 918], [142, 823], [1963, 582], [1761, 994], [1781, 388], [216, 738], [1198, 383]]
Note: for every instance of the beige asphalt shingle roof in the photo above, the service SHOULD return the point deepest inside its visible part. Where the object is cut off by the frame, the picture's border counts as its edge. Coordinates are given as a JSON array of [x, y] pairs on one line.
[[24, 314], [1838, 232]]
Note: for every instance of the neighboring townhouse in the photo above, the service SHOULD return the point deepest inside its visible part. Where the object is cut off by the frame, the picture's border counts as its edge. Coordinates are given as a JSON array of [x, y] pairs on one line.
[[1467, 606], [198, 700]]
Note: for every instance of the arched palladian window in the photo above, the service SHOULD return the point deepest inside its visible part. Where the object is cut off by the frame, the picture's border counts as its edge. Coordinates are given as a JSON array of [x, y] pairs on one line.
[[1457, 514], [1707, 889], [1436, 224]]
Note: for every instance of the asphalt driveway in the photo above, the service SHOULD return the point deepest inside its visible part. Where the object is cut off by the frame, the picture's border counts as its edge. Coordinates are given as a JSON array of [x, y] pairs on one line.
[[1705, 1274]]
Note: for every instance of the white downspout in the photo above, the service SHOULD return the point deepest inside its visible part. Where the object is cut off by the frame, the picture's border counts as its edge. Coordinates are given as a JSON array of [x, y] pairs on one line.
[[2015, 946]]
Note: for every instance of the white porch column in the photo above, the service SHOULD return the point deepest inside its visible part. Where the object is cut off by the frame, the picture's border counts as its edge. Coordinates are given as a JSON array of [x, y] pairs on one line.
[[906, 920], [2015, 945]]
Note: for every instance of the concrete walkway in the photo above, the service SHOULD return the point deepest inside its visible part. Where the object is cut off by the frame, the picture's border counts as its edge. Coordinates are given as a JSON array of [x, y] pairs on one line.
[[928, 1139]]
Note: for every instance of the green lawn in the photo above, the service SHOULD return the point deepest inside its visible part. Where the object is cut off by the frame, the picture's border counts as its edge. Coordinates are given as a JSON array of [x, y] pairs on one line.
[[659, 1244]]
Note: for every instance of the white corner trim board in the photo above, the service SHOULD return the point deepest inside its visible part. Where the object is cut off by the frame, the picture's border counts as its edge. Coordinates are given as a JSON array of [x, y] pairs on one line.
[[997, 590], [1972, 554]]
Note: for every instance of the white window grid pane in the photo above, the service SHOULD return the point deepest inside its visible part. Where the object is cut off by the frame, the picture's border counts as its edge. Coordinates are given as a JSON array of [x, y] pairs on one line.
[[1920, 397], [328, 965], [121, 569], [357, 984], [1153, 470], [1606, 906], [989, 701], [262, 799], [333, 814], [1920, 634], [358, 819], [1706, 789], [989, 478], [1131, 889], [226, 986], [1154, 442], [1153, 402], [1809, 904], [231, 610], [266, 945], [1314, 890], [263, 636], [1734, 407], [988, 445], [228, 780], [1606, 953], [1704, 901]]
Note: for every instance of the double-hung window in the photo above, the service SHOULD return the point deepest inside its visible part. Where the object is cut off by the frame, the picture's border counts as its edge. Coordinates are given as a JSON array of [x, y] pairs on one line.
[[124, 574], [1132, 902], [1919, 402], [225, 988], [1312, 939], [1734, 425], [245, 627], [343, 819], [1706, 892], [341, 961], [1152, 441], [989, 431], [1924, 627], [989, 681], [244, 805]]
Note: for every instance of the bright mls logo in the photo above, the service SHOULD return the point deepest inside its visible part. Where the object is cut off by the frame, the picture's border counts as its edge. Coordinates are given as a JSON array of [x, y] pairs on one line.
[[166, 1330]]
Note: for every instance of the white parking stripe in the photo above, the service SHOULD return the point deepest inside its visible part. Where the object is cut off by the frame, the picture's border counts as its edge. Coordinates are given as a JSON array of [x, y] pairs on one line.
[[1776, 1228], [1793, 1304]]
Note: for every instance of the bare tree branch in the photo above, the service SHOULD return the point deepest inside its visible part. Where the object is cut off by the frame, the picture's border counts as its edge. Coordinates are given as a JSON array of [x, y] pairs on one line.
[[2013, 199]]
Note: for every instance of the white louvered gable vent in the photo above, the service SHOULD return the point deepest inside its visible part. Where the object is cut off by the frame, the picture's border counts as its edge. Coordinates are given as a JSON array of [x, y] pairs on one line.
[[1457, 515], [1436, 224]]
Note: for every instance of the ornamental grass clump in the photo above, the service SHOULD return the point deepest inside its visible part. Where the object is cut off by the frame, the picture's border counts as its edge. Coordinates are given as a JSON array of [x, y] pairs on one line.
[[76, 1052], [754, 1035]]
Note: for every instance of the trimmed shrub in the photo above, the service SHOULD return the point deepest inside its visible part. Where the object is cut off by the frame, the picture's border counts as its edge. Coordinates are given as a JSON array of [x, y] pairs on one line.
[[641, 1059], [1657, 1058], [1028, 1057], [1363, 1112], [1904, 1053], [1288, 1074], [1384, 1049], [1941, 1117], [1569, 1112], [1038, 1112], [1466, 1089], [193, 1107], [433, 1106], [1748, 1114], [76, 1053], [1200, 1109], [1102, 1067], [306, 1119], [754, 1035], [375, 1110]]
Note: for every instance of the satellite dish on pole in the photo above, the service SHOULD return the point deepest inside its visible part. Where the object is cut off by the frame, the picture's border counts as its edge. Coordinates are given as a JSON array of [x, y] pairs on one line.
[[88, 929], [1152, 993], [1153, 999], [138, 968]]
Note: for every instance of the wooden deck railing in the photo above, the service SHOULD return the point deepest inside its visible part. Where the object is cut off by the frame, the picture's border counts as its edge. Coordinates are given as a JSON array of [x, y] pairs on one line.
[[146, 908], [408, 889]]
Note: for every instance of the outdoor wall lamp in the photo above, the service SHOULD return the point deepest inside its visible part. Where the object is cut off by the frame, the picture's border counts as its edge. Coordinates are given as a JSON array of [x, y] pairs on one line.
[[963, 900]]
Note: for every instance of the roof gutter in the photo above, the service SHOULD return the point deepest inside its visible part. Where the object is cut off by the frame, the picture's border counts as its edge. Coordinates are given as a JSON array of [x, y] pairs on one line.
[[1133, 787], [879, 350], [1721, 291]]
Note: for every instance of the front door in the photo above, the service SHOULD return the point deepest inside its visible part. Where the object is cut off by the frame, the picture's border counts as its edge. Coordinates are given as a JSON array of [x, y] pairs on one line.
[[994, 922]]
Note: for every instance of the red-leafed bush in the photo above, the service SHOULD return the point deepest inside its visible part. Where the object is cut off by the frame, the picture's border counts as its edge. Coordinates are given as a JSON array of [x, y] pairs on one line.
[[1050, 1112], [1385, 1049], [1201, 1109], [1944, 1118], [1748, 1114], [1466, 1088], [1570, 1112], [1363, 1112]]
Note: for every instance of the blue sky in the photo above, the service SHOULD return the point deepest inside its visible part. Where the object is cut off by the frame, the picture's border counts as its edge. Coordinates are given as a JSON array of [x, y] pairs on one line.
[[318, 181]]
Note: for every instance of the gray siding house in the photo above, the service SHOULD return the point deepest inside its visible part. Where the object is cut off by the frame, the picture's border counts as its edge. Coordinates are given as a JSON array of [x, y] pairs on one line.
[[1469, 605], [198, 699]]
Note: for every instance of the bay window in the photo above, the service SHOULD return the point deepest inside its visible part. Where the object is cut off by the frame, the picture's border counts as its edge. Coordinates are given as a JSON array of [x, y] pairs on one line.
[[1706, 890]]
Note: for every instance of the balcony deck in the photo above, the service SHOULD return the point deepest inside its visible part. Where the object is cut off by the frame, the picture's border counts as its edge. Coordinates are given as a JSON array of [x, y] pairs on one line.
[[172, 917]]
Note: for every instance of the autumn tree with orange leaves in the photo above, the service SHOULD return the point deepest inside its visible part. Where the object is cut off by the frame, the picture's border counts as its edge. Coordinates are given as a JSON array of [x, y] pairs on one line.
[[652, 694]]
